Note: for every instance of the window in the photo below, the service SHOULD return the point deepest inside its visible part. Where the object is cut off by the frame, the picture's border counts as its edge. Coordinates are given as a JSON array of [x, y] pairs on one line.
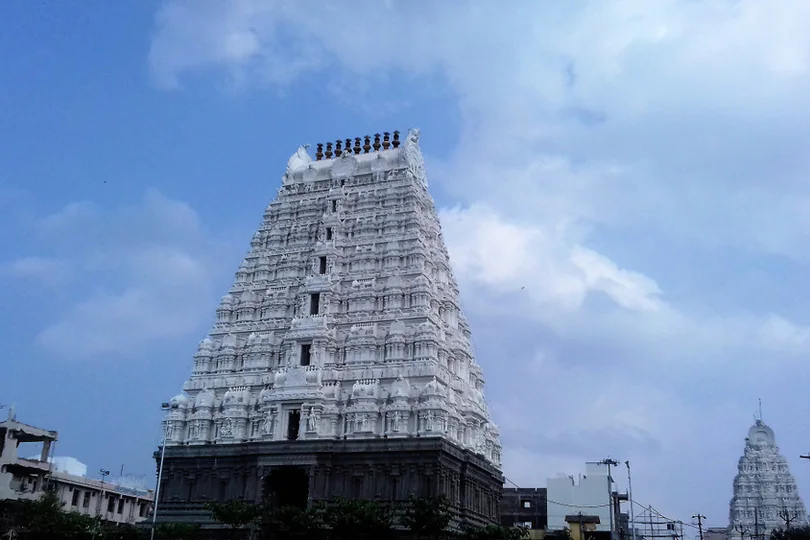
[[121, 505], [111, 504], [86, 501], [526, 504], [527, 524], [334, 206], [306, 354], [329, 233], [314, 303], [293, 423], [322, 265], [75, 501], [394, 485], [141, 510]]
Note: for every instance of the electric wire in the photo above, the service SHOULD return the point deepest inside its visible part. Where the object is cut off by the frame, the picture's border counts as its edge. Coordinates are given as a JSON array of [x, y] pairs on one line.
[[561, 503], [645, 508], [659, 514]]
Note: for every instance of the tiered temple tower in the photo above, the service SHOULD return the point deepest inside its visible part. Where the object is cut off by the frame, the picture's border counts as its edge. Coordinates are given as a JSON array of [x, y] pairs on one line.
[[340, 362], [765, 494]]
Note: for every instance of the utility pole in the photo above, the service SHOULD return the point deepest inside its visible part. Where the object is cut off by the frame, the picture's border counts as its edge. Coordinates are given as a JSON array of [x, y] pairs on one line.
[[630, 496], [165, 407], [610, 463], [104, 473], [700, 518], [581, 530]]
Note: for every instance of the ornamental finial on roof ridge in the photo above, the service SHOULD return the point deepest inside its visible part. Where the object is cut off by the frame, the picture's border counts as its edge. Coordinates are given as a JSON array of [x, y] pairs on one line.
[[345, 148]]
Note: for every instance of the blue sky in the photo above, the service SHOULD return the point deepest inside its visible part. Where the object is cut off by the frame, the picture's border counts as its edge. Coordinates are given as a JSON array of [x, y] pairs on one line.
[[622, 187]]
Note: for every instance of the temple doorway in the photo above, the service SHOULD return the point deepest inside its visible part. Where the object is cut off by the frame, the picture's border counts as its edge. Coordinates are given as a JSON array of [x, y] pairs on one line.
[[287, 486]]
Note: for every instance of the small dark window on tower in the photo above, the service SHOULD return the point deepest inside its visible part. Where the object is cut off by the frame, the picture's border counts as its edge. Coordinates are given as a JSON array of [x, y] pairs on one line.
[[322, 265], [305, 354], [293, 421], [334, 206], [314, 303], [329, 233]]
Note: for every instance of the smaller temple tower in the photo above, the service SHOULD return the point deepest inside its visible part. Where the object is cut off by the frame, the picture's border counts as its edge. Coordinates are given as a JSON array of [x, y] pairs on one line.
[[765, 494]]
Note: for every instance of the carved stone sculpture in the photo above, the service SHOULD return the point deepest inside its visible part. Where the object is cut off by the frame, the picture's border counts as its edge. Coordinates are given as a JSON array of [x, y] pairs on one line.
[[336, 306], [763, 487]]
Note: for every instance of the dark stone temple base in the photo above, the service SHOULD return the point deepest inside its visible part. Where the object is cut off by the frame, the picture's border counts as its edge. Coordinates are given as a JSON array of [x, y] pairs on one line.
[[306, 472]]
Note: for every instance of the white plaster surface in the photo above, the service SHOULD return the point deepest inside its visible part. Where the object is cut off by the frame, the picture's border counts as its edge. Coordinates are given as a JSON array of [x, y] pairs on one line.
[[764, 488], [390, 346]]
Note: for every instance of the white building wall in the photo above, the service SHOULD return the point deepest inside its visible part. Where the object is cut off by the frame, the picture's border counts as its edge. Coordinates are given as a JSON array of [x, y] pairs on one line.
[[92, 498], [587, 494]]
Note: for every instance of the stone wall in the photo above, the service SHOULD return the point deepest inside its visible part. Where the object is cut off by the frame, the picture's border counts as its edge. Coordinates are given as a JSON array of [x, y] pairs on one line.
[[383, 470]]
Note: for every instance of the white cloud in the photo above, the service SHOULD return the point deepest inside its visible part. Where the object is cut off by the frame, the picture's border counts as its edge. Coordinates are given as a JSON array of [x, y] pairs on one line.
[[149, 270], [47, 270], [539, 260], [73, 215], [677, 127]]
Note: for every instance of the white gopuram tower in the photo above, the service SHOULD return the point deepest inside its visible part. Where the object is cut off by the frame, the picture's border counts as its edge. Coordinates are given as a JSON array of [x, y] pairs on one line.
[[341, 349], [765, 494]]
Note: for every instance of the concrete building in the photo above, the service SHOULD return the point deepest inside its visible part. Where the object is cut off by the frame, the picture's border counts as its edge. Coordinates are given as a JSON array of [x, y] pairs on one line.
[[584, 527], [113, 502], [715, 533], [765, 492], [525, 507], [27, 478], [21, 477], [589, 494], [340, 362]]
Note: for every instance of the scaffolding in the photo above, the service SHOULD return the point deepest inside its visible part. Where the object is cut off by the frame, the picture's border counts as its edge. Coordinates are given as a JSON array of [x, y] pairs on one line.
[[651, 525]]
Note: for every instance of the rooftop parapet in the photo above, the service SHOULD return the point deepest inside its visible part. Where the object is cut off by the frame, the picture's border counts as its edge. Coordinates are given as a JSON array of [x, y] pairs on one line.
[[25, 433]]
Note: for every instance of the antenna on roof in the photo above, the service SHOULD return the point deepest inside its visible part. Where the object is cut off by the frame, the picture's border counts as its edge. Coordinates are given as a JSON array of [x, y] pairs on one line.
[[760, 410]]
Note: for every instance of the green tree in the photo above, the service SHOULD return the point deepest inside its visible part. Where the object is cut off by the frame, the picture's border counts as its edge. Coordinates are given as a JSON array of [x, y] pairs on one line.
[[290, 523], [236, 514], [44, 518], [357, 520], [561, 534], [495, 532], [427, 517], [123, 531], [793, 533], [177, 531]]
